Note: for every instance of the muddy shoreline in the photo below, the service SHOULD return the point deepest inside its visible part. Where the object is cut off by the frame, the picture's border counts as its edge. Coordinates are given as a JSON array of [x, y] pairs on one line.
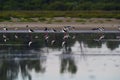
[[58, 26]]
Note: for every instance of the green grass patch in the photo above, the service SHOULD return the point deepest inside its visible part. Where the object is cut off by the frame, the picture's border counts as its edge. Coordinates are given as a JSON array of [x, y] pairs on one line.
[[5, 19], [100, 21], [80, 20], [108, 19], [58, 20], [50, 21], [68, 20], [50, 14], [23, 20], [27, 20], [42, 19], [2, 20]]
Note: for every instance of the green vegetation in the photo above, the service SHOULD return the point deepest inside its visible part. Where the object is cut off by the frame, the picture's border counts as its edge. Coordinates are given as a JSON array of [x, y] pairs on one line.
[[42, 19], [80, 20], [60, 5], [68, 20], [99, 21], [58, 21], [50, 21], [43, 9], [26, 20], [6, 15], [108, 20]]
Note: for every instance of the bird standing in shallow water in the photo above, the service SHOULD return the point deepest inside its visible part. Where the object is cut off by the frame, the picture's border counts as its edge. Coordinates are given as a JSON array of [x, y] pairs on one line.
[[101, 37], [30, 30], [4, 36], [46, 29], [101, 28], [5, 29], [66, 36], [29, 44], [16, 36], [63, 43], [46, 36], [54, 30], [5, 40], [52, 42], [64, 30]]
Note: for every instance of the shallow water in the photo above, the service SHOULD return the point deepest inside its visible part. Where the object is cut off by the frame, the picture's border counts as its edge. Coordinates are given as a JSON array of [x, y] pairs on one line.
[[81, 57]]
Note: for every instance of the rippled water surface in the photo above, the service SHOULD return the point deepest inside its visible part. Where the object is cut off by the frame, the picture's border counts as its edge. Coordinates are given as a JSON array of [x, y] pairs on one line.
[[55, 57]]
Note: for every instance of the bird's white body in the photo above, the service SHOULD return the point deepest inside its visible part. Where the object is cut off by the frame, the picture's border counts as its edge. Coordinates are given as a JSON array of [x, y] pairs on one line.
[[30, 43]]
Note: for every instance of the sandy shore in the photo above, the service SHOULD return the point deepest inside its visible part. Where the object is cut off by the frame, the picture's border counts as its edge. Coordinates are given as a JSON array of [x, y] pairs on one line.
[[37, 25]]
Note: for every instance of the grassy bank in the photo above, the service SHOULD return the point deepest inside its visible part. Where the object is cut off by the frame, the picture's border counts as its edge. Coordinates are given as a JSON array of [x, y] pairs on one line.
[[6, 15]]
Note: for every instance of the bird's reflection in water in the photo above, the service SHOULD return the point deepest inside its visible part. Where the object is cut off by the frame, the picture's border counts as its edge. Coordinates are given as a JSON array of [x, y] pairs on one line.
[[11, 69], [67, 60], [8, 70]]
